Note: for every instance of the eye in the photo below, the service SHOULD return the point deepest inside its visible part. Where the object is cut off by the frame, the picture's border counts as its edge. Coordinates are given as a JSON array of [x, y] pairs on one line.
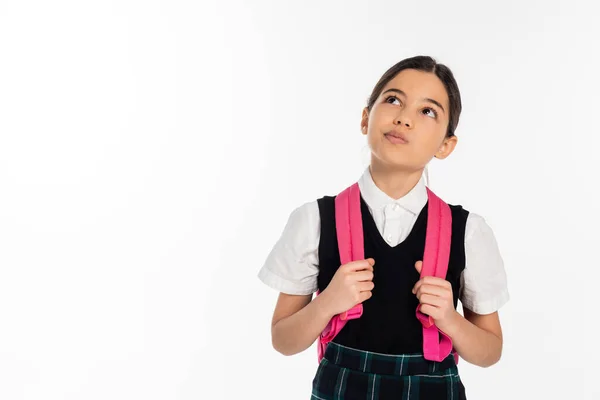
[[430, 112], [390, 99]]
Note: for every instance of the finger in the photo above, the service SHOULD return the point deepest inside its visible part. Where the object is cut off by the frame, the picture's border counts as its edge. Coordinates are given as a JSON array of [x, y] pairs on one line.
[[435, 281], [429, 310], [419, 283], [365, 286], [431, 300], [419, 266], [362, 276], [359, 265], [432, 290], [417, 286], [365, 296]]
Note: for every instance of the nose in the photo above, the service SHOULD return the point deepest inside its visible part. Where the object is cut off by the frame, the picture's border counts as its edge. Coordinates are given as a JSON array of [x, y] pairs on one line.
[[403, 120]]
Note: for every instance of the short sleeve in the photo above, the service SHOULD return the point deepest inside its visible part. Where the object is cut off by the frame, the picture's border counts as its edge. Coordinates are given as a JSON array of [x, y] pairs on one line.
[[484, 288], [292, 264]]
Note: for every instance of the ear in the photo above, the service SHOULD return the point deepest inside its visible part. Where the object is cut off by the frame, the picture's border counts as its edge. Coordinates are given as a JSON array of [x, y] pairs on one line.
[[364, 122], [447, 147]]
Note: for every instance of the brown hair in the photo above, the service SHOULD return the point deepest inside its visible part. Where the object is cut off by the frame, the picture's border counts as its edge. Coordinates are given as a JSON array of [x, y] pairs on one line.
[[425, 64]]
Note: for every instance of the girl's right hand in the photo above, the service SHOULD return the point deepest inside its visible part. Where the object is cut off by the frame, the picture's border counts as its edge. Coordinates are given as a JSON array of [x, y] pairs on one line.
[[351, 285]]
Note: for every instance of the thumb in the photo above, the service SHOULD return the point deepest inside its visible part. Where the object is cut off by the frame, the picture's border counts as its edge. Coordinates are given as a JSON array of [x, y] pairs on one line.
[[419, 266]]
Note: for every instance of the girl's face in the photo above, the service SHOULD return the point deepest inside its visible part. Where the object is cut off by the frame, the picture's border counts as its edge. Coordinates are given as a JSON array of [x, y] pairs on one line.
[[407, 124]]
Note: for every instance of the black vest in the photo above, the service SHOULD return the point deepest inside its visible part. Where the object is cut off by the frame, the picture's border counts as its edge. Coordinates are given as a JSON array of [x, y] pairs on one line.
[[388, 324]]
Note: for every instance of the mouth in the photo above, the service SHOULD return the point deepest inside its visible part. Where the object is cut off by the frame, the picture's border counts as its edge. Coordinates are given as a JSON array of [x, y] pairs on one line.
[[396, 138]]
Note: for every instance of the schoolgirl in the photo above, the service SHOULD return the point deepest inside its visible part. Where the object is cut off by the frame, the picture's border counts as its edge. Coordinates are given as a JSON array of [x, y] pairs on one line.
[[410, 118]]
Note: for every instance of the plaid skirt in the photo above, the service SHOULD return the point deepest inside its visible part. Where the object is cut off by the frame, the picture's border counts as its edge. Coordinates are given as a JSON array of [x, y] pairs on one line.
[[349, 374]]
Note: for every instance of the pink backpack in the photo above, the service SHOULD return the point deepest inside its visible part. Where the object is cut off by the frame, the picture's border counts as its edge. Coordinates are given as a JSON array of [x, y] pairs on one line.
[[436, 344]]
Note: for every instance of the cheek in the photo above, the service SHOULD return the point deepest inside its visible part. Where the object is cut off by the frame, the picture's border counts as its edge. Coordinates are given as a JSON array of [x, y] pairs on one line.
[[429, 144], [382, 114], [372, 139], [432, 134], [375, 142]]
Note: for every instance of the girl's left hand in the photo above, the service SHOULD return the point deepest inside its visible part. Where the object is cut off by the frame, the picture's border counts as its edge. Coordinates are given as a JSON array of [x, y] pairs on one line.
[[435, 296]]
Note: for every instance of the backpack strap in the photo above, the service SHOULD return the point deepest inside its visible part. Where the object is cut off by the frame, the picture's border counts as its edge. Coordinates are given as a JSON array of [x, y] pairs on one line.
[[349, 231], [436, 344]]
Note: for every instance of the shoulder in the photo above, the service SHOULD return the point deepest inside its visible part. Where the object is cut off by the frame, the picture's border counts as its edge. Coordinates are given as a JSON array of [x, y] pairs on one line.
[[308, 215], [474, 223], [478, 234], [304, 212], [302, 227], [477, 227], [459, 212], [325, 206]]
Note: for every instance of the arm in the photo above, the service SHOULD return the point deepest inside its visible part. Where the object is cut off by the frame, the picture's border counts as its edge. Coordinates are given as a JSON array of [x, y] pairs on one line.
[[477, 338], [292, 269], [297, 322]]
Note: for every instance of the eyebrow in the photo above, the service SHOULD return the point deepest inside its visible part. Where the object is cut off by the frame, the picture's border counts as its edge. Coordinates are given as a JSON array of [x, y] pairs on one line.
[[437, 103]]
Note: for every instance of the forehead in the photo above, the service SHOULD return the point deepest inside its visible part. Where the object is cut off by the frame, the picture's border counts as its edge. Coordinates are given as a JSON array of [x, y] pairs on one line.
[[418, 84]]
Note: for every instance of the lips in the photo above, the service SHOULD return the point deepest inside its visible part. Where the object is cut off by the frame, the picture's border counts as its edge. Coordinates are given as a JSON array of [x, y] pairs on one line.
[[396, 138]]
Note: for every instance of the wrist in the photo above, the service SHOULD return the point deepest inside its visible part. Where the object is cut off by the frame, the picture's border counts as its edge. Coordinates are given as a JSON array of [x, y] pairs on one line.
[[452, 325], [323, 306]]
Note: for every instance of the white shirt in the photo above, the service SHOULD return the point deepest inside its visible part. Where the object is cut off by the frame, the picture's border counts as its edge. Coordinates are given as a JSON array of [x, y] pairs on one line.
[[292, 266]]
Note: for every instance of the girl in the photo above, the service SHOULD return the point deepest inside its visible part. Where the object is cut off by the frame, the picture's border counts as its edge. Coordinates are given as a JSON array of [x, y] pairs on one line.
[[410, 118]]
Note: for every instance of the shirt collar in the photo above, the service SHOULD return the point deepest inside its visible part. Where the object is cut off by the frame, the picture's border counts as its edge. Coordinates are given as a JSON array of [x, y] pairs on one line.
[[413, 201]]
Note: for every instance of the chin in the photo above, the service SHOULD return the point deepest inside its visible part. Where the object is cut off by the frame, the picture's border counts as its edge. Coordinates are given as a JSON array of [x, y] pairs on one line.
[[391, 160], [402, 160]]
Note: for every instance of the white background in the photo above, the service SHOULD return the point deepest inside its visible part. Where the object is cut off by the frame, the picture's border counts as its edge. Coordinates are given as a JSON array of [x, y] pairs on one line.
[[152, 151]]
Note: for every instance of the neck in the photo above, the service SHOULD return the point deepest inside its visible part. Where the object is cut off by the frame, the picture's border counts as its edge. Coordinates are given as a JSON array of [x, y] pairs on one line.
[[395, 182]]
